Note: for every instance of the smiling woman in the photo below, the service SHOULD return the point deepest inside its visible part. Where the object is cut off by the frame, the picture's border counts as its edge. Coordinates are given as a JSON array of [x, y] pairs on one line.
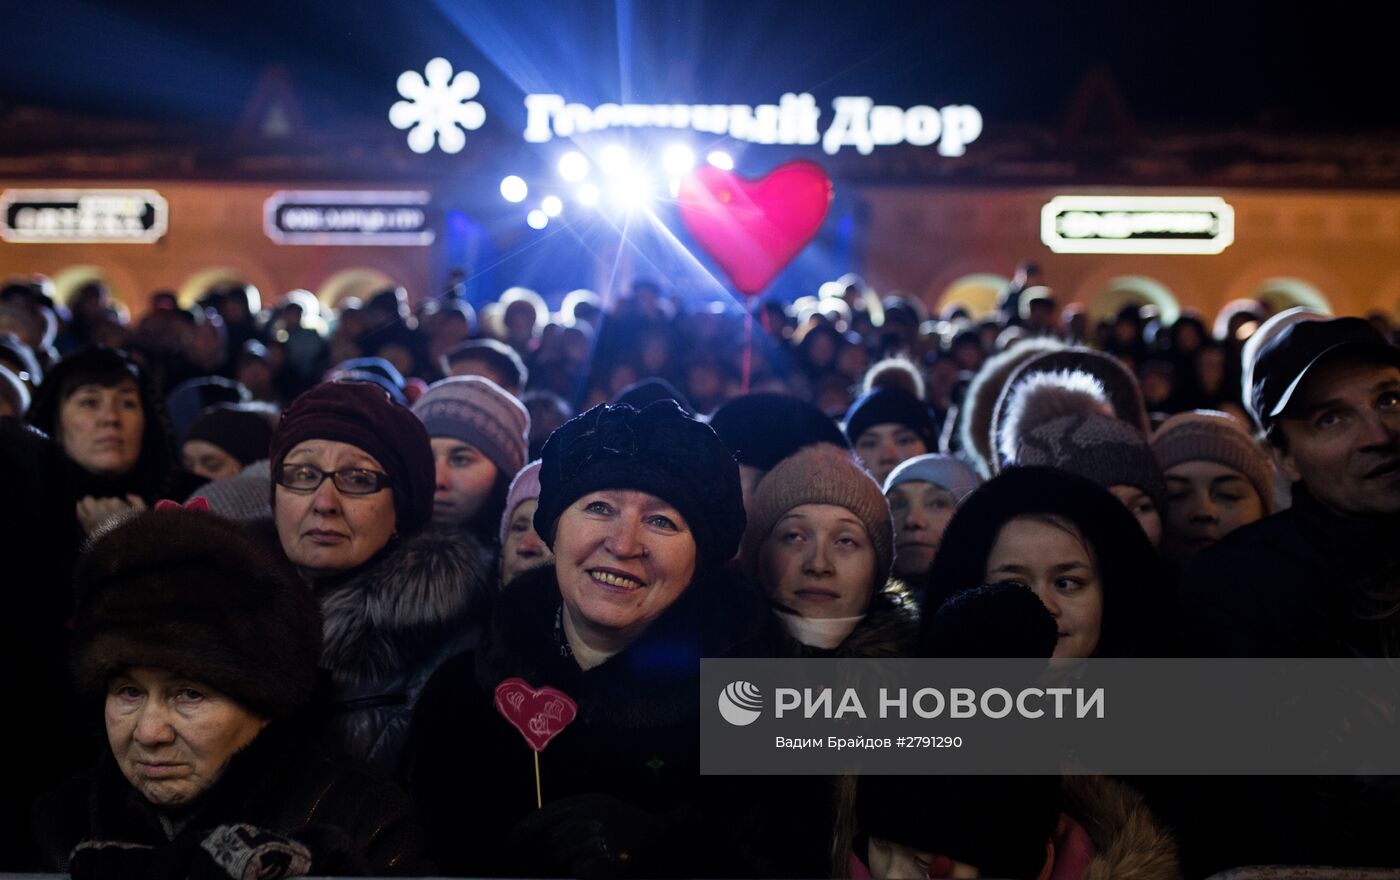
[[642, 510], [201, 647]]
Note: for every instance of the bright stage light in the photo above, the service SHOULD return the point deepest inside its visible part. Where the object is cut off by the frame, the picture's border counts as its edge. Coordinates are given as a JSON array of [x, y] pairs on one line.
[[631, 191], [587, 195], [537, 219], [721, 160], [614, 159], [678, 160], [573, 167], [552, 205], [514, 189]]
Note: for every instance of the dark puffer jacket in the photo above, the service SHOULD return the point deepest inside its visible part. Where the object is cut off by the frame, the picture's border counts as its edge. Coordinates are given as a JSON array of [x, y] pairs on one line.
[[635, 740], [352, 822], [389, 627]]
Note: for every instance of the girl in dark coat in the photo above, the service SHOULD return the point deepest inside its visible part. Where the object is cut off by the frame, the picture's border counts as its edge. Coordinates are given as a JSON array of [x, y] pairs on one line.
[[1016, 527], [636, 595]]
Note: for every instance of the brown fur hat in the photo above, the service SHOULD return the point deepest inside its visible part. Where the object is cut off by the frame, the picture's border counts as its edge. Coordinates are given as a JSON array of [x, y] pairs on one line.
[[195, 594]]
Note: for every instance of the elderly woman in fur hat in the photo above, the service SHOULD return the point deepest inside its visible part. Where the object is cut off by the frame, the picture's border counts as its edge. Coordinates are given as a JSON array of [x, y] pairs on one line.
[[200, 647], [637, 593], [353, 491]]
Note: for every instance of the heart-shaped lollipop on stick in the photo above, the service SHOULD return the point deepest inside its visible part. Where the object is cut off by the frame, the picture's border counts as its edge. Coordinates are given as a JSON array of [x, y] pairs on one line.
[[540, 714]]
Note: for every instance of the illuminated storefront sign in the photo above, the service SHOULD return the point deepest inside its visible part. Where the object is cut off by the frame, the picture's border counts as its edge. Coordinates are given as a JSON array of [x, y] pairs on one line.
[[439, 109], [795, 119], [87, 216], [1137, 225], [348, 218]]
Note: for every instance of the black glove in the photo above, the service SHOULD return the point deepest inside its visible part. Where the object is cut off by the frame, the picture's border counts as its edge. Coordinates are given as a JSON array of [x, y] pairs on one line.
[[591, 836]]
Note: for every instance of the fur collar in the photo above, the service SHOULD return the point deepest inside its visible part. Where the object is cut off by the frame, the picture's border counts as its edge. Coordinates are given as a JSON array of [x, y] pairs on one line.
[[1130, 843], [405, 606]]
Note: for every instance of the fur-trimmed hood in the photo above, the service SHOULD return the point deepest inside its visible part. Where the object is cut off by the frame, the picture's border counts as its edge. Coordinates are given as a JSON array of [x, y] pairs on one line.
[[390, 626], [1129, 843]]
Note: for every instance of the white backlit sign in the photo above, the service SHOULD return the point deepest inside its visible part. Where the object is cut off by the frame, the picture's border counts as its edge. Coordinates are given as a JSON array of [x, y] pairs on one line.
[[795, 119], [437, 109], [1137, 225], [109, 216], [353, 218]]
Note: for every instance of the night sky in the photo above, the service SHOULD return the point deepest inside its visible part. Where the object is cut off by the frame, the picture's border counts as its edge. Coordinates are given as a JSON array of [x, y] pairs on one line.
[[1189, 66]]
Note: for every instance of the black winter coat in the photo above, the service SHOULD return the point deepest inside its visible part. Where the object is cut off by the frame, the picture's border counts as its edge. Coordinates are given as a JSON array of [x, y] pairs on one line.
[[636, 737], [1290, 585], [352, 821]]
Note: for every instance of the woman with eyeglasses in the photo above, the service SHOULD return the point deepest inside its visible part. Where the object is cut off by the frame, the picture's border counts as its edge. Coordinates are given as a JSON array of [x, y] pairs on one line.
[[353, 479]]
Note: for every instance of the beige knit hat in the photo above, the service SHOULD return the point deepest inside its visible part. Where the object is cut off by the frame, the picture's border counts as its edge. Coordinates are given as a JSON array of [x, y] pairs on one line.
[[819, 474], [1206, 435]]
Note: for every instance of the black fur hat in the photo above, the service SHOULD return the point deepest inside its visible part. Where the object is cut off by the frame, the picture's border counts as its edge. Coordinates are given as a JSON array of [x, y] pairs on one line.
[[659, 450], [195, 594]]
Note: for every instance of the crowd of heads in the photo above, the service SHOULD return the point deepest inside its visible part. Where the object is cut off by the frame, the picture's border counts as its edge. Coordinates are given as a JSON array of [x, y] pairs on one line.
[[380, 484]]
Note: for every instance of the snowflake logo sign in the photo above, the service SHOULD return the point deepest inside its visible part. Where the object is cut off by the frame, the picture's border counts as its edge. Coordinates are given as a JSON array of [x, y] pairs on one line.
[[435, 108]]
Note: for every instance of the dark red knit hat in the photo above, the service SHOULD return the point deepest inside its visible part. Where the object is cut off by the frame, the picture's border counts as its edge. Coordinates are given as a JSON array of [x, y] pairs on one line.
[[364, 416]]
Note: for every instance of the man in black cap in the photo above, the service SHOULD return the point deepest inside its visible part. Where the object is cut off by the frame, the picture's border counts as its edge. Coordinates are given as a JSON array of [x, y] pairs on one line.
[[1310, 581], [1294, 584]]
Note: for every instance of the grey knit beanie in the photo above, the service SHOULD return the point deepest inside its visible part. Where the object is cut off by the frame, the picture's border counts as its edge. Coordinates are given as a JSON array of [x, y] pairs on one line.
[[480, 412], [1206, 435], [819, 474], [1106, 450]]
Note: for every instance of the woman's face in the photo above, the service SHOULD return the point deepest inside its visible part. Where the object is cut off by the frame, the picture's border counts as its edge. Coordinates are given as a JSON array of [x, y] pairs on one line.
[[100, 427], [173, 737], [523, 549], [206, 460], [621, 557], [1142, 509], [881, 447], [1051, 558], [324, 531], [1206, 502], [819, 562], [464, 480], [921, 513]]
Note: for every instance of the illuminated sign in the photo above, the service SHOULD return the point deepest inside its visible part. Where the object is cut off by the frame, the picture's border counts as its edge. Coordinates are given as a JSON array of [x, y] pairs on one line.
[[439, 107], [321, 217], [95, 216], [1137, 225], [795, 119]]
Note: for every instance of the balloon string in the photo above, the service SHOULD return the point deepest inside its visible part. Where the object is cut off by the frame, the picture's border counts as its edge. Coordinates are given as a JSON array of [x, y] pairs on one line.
[[539, 801], [748, 347]]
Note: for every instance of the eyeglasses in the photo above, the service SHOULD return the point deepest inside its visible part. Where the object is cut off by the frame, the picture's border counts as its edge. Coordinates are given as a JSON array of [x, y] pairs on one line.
[[350, 481]]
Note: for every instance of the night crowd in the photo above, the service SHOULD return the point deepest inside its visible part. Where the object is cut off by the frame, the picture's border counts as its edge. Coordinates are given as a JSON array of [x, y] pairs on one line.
[[266, 565]]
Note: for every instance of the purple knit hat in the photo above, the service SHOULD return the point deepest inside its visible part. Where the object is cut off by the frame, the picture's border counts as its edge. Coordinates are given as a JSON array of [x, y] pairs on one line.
[[365, 416], [525, 486]]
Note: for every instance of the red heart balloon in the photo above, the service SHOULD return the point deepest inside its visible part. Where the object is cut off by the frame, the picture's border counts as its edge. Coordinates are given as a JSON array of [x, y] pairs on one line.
[[539, 715], [754, 228]]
